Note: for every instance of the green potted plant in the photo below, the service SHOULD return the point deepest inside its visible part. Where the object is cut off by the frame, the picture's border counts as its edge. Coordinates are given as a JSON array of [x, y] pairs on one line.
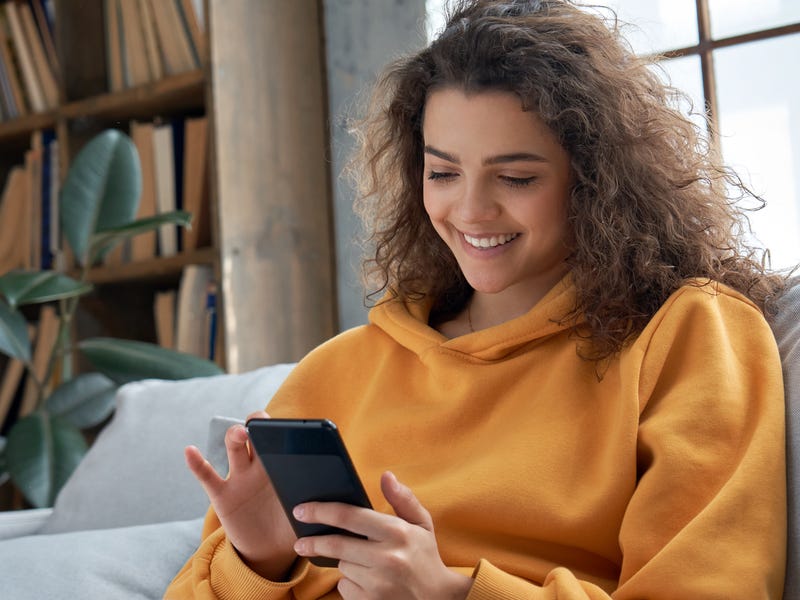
[[98, 206]]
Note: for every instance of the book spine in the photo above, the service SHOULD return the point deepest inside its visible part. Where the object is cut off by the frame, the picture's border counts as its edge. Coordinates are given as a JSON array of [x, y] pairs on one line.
[[29, 76]]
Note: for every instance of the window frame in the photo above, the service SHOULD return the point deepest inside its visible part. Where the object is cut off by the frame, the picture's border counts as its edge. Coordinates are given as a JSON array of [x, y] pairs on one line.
[[705, 48]]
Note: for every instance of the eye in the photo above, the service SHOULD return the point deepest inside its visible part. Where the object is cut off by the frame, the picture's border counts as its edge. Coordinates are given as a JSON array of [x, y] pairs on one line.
[[517, 181], [443, 176]]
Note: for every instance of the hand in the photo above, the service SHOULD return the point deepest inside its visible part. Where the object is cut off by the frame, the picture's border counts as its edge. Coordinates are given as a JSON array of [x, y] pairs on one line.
[[247, 506], [398, 560]]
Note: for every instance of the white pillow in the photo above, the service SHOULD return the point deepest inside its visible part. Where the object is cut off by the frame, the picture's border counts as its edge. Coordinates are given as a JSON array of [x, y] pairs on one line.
[[135, 473], [129, 562]]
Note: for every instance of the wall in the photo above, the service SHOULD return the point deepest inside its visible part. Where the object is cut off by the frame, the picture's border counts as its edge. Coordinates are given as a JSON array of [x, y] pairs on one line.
[[362, 36]]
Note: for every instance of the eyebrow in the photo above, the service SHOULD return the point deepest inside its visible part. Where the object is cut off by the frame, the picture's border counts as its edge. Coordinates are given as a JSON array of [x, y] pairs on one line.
[[492, 160]]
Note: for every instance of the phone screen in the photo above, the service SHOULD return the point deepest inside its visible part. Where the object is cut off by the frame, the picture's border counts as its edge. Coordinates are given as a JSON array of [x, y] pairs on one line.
[[306, 461]]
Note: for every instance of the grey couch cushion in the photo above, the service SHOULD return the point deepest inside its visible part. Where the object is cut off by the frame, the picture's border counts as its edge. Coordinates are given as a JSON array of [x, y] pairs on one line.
[[135, 473], [130, 562], [786, 327]]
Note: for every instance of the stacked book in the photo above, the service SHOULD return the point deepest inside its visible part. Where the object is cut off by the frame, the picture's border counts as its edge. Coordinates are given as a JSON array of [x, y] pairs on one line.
[[147, 40], [174, 159], [29, 233], [29, 70]]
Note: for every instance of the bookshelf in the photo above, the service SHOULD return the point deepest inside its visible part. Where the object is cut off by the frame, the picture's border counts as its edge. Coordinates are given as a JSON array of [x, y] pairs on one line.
[[260, 84]]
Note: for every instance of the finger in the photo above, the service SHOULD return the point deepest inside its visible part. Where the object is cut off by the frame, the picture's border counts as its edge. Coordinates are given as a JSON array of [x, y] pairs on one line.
[[355, 519], [236, 444], [203, 471], [259, 414], [352, 550], [349, 589], [404, 502]]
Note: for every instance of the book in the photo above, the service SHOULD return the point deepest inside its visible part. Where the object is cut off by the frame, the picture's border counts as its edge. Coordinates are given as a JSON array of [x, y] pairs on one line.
[[46, 337], [6, 95], [11, 386], [151, 40], [15, 222], [12, 377], [114, 67], [137, 66], [144, 245], [41, 64], [56, 242], [172, 38], [178, 145], [200, 14], [12, 68], [46, 254], [30, 79], [164, 313], [191, 319], [33, 169], [46, 35], [164, 161], [195, 183], [188, 18]]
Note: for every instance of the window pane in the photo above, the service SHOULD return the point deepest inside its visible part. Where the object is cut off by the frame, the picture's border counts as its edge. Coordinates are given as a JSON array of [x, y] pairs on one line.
[[434, 18], [657, 25], [685, 74], [732, 17], [759, 114]]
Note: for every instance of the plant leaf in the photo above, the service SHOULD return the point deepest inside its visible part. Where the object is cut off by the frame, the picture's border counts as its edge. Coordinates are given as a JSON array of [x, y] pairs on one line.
[[85, 401], [101, 190], [41, 453], [34, 287], [14, 339], [128, 360], [103, 241]]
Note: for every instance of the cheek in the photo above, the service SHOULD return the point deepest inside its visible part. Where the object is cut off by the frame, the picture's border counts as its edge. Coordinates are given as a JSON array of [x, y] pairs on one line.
[[437, 215], [434, 206]]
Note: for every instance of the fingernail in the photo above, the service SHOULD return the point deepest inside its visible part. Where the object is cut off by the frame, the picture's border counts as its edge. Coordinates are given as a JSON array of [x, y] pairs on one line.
[[299, 512], [300, 546], [395, 482]]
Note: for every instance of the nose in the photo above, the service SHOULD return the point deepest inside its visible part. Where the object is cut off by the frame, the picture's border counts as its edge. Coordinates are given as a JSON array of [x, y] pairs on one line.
[[477, 204]]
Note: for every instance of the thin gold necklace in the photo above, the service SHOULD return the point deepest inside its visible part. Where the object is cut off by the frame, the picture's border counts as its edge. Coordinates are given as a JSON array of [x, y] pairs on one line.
[[469, 318]]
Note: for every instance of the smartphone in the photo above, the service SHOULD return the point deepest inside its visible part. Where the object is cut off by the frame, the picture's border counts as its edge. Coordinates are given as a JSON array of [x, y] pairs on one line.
[[306, 460]]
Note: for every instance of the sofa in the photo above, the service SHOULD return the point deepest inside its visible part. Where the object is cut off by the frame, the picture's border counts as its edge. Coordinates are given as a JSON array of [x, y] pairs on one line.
[[131, 514]]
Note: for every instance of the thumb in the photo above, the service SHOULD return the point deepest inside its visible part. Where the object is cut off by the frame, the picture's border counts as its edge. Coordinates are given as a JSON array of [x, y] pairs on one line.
[[404, 502]]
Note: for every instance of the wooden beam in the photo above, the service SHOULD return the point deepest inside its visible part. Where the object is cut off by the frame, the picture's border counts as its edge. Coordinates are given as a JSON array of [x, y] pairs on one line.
[[271, 179]]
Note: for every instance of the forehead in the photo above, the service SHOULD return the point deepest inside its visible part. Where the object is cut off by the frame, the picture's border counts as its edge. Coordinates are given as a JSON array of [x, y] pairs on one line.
[[493, 120]]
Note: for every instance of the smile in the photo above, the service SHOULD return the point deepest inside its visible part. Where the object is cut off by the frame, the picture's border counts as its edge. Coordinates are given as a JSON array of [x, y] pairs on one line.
[[490, 242]]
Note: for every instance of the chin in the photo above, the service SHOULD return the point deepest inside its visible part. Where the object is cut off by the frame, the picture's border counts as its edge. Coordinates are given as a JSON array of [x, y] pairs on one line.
[[487, 287]]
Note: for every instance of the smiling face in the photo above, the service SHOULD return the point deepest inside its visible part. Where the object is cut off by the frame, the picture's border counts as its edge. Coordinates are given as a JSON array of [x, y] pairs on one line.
[[496, 188]]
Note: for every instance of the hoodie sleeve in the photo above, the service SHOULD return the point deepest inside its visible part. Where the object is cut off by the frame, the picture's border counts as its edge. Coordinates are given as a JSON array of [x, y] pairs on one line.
[[708, 516], [216, 571]]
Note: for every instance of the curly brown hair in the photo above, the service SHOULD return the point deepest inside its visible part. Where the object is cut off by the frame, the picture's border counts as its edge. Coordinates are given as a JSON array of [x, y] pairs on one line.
[[652, 207]]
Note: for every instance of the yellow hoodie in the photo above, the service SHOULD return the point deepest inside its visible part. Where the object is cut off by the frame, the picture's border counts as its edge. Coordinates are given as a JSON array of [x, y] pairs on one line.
[[662, 479]]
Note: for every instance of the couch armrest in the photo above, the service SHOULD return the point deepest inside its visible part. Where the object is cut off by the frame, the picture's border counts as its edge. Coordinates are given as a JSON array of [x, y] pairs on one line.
[[17, 523]]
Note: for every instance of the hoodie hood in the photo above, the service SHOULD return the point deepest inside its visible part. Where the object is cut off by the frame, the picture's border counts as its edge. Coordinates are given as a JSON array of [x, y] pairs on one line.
[[407, 324]]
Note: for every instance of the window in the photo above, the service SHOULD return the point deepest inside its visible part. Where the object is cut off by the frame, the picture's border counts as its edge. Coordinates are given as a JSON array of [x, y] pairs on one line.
[[737, 60]]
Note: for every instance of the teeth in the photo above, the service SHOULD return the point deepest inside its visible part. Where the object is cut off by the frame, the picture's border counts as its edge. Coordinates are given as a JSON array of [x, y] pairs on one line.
[[490, 242]]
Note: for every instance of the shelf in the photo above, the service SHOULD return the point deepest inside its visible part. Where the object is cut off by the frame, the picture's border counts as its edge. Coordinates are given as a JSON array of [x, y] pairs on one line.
[[22, 127], [156, 269], [176, 93]]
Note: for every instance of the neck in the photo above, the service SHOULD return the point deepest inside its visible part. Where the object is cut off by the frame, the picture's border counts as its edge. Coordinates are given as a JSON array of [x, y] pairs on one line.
[[486, 310]]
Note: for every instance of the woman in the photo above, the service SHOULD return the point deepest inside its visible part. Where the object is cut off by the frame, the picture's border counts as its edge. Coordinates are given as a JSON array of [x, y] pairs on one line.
[[569, 369]]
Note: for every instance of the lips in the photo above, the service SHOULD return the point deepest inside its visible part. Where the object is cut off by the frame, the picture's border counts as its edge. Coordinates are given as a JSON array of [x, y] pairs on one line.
[[492, 241]]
